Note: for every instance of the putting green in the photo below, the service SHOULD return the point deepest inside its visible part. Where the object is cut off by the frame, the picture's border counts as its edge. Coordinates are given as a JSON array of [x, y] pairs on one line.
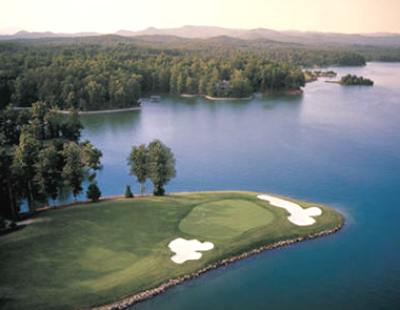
[[225, 219]]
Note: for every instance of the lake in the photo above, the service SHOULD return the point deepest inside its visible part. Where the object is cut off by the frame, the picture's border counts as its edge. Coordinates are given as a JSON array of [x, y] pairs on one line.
[[336, 145]]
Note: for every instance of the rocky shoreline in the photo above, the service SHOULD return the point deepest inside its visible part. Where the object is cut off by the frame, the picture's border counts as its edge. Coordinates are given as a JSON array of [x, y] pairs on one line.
[[147, 294]]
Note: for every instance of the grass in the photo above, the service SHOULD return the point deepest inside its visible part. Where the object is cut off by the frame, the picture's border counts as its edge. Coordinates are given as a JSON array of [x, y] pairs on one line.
[[98, 253], [225, 219]]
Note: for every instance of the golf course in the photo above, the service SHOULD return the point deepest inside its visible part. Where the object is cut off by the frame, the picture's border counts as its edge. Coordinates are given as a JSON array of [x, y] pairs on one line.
[[95, 254]]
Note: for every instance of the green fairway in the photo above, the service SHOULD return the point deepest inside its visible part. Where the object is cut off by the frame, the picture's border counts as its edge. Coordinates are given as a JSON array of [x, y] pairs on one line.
[[98, 253]]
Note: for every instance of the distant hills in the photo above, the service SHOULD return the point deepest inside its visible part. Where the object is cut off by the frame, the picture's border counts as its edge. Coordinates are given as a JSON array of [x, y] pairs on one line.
[[207, 32], [47, 34]]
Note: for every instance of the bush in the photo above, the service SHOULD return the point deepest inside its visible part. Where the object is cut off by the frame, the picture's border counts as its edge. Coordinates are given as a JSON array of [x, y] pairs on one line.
[[128, 192], [6, 225], [93, 192], [13, 225], [2, 223]]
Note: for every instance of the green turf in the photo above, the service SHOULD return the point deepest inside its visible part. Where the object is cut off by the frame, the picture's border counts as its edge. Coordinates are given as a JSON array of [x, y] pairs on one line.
[[97, 253], [225, 219]]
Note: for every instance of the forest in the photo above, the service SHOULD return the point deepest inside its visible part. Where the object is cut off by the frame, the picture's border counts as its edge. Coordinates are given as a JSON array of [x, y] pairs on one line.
[[108, 72]]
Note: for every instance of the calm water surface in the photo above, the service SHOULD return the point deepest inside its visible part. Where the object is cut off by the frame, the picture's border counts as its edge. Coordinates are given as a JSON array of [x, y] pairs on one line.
[[335, 145]]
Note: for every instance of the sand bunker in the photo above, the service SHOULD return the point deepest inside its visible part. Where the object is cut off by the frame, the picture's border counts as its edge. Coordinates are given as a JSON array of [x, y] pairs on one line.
[[298, 215], [188, 249]]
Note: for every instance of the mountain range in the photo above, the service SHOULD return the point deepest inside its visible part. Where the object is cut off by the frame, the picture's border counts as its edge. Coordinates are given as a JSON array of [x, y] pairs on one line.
[[206, 32]]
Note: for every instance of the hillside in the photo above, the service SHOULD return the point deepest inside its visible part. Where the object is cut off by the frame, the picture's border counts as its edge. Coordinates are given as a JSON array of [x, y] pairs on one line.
[[206, 32]]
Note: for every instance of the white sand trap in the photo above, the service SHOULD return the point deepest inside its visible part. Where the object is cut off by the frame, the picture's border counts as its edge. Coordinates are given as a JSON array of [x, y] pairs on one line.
[[188, 249], [298, 215]]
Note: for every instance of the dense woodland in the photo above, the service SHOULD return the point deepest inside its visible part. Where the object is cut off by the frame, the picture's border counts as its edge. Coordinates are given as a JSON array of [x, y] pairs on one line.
[[40, 156], [109, 72]]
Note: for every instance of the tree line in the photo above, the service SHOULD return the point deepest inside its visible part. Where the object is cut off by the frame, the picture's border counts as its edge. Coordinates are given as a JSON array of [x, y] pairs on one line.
[[95, 77]]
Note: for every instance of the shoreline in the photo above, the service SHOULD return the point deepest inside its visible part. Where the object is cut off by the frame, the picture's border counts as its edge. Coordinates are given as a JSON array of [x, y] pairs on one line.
[[137, 108], [227, 98], [141, 296], [287, 92], [101, 111], [189, 95], [292, 92]]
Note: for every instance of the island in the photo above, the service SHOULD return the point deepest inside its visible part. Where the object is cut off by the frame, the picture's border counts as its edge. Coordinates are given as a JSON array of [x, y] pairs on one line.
[[120, 251], [349, 80], [353, 80]]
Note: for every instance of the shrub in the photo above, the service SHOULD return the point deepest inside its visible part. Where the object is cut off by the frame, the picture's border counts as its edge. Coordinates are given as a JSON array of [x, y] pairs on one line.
[[93, 192], [128, 192]]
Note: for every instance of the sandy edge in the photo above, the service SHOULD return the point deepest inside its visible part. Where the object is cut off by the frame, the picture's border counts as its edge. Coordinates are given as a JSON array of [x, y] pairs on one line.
[[189, 95], [227, 98], [147, 294], [215, 98]]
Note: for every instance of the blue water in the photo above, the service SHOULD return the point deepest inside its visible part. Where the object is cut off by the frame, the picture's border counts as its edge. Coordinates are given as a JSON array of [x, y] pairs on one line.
[[336, 145]]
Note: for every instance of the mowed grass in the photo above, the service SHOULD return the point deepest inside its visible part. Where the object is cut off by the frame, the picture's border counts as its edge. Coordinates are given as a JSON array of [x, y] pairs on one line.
[[225, 219], [98, 253]]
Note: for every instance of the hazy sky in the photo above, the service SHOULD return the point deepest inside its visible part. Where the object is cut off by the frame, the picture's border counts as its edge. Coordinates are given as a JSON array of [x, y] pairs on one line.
[[111, 15]]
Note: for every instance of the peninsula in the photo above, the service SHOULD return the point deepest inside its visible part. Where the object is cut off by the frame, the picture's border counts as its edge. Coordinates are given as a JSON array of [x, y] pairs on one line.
[[120, 251]]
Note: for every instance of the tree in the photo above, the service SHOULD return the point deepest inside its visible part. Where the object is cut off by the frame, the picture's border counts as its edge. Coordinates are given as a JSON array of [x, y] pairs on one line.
[[161, 166], [25, 89], [90, 159], [24, 161], [239, 85], [180, 84], [93, 192], [95, 92], [8, 195], [72, 126], [72, 172], [47, 175], [128, 192], [212, 83], [191, 87], [38, 124], [138, 162]]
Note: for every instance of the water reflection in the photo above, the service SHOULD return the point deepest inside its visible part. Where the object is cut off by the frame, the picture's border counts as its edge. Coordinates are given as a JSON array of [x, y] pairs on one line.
[[114, 122]]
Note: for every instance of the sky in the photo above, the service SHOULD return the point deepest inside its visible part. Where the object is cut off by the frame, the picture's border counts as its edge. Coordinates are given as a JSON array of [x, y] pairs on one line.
[[107, 16]]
